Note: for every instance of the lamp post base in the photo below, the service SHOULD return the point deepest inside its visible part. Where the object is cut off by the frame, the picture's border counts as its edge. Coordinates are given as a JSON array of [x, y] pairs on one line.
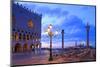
[[50, 59]]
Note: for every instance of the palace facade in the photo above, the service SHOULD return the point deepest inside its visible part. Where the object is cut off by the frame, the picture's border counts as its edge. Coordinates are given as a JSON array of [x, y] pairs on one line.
[[26, 29]]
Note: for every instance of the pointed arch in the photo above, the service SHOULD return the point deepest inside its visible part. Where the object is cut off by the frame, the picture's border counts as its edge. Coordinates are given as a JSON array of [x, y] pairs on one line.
[[18, 47]]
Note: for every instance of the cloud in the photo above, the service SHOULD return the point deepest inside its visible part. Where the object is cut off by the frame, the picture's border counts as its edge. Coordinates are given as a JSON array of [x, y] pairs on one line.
[[71, 18], [74, 29]]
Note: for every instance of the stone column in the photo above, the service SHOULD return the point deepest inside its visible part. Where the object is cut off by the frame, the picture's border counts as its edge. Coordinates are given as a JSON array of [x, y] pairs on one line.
[[87, 34], [62, 39], [75, 43]]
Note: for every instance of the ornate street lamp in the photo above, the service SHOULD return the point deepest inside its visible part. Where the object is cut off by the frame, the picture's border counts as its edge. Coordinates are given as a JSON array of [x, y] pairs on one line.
[[50, 33]]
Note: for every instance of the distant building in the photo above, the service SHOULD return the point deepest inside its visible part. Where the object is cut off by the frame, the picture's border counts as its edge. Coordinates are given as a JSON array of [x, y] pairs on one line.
[[26, 29]]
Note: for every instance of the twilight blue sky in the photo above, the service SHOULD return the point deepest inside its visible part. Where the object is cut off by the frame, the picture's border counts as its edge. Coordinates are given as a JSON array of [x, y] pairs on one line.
[[71, 18]]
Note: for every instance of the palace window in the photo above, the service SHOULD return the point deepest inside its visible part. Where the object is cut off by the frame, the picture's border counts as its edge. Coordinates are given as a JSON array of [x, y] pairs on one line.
[[27, 37], [30, 23], [20, 36], [16, 36], [31, 37]]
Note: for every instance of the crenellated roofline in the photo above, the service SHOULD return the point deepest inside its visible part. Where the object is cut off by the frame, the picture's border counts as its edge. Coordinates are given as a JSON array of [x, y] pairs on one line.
[[27, 9]]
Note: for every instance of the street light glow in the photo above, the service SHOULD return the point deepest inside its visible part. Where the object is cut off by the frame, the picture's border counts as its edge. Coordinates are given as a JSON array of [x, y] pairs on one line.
[[48, 30], [50, 26]]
